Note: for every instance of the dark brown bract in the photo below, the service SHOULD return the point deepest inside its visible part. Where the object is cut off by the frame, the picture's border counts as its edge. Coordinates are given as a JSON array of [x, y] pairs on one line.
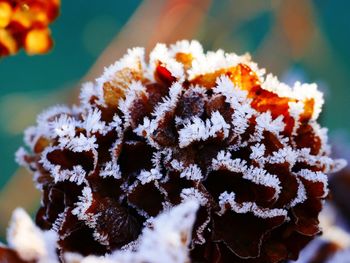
[[186, 125]]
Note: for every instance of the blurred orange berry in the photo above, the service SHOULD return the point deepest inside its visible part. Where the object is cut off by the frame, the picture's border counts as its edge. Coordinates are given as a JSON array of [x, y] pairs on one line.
[[24, 23]]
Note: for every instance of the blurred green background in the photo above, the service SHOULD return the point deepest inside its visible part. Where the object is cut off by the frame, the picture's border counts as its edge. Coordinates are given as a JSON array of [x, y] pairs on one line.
[[294, 39]]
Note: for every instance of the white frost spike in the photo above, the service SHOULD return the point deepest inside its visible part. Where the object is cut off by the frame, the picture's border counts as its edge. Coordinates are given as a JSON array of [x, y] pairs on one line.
[[76, 174], [262, 177], [254, 174], [196, 129], [117, 125], [167, 241], [315, 177], [187, 47], [264, 122], [238, 100], [64, 128], [296, 109], [213, 61], [192, 172], [31, 135], [145, 128], [92, 122], [160, 54], [223, 160], [258, 152], [299, 91], [149, 176], [88, 91], [52, 112], [309, 91], [20, 155], [218, 124], [286, 154], [234, 95], [135, 90], [110, 169], [301, 194], [248, 207], [133, 60], [29, 241], [193, 193], [168, 103], [177, 165], [56, 226], [82, 143], [84, 203]]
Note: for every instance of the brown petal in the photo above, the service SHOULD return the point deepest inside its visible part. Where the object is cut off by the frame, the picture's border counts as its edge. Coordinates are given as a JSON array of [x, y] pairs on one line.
[[147, 198], [75, 236], [115, 222], [134, 157], [245, 190], [245, 232], [67, 159], [173, 187]]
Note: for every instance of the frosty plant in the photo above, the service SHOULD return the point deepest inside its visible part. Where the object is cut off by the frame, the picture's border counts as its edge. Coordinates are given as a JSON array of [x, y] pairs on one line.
[[24, 23], [185, 126]]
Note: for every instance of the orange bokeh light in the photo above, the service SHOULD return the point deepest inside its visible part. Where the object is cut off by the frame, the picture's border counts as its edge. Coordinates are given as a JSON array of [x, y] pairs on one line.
[[24, 23]]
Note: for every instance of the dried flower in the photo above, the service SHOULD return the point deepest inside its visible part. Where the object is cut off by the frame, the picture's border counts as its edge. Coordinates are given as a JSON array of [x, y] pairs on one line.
[[186, 125], [24, 23]]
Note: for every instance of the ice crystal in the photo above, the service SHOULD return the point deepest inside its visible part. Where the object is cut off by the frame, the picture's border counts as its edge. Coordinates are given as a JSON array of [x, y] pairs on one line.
[[187, 125]]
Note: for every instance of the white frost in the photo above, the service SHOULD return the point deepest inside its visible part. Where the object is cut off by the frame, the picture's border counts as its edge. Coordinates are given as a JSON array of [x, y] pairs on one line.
[[30, 242]]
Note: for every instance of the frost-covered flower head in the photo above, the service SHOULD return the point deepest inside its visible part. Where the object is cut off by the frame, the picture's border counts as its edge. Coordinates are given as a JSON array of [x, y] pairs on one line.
[[24, 24], [212, 127]]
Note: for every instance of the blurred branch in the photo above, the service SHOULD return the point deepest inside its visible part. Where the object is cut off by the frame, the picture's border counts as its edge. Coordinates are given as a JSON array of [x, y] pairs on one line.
[[291, 36]]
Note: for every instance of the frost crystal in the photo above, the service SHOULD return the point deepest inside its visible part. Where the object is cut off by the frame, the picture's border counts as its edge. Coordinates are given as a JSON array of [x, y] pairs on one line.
[[187, 125]]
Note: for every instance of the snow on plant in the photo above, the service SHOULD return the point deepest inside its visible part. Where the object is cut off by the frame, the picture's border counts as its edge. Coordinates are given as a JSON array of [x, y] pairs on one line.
[[148, 136]]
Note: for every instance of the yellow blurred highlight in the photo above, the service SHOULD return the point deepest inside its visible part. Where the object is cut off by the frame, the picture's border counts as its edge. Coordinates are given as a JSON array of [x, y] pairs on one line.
[[38, 41], [22, 16], [7, 43], [5, 14]]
